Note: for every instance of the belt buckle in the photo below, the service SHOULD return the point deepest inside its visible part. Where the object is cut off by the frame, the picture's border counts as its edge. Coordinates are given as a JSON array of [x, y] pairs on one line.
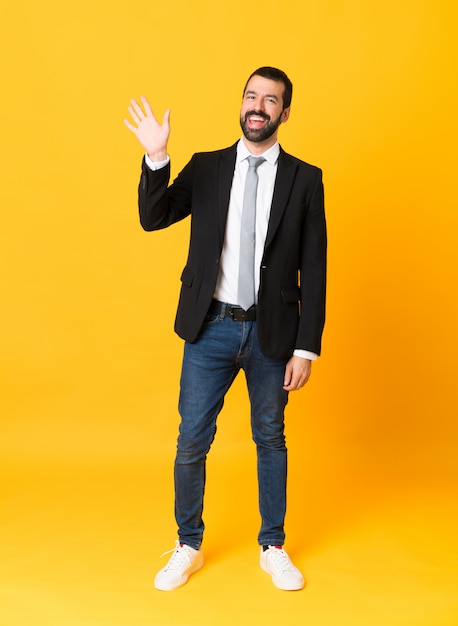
[[240, 315]]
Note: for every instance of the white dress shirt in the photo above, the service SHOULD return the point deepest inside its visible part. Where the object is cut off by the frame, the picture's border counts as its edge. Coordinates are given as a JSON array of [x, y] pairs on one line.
[[227, 282]]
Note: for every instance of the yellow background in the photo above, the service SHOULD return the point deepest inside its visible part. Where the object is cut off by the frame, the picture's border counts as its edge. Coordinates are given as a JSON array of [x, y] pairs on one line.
[[89, 362]]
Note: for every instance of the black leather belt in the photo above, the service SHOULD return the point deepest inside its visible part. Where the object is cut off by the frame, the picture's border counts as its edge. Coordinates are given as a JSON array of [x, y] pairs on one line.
[[236, 313]]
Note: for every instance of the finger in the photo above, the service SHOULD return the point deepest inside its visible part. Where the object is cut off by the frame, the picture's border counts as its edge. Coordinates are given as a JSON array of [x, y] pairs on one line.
[[295, 380], [288, 375], [138, 109], [134, 115], [147, 106], [129, 126], [166, 118], [290, 381], [293, 386], [302, 380]]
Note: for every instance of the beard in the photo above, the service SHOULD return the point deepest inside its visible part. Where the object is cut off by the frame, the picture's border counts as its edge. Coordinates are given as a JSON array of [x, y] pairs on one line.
[[256, 135]]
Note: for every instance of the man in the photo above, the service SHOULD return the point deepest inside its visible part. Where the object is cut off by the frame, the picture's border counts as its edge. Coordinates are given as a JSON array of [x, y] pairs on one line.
[[252, 298]]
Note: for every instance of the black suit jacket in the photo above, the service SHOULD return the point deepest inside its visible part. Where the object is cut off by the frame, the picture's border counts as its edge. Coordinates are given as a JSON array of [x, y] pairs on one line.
[[291, 298]]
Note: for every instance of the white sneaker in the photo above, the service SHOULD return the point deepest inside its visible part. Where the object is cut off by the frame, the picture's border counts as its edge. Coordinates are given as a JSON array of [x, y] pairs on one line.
[[183, 562], [277, 563]]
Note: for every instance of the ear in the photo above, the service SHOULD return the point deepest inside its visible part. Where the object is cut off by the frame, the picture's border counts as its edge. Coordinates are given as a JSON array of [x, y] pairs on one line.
[[285, 115]]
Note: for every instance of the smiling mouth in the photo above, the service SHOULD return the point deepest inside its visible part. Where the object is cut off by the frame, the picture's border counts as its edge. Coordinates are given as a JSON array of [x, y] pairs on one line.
[[256, 121], [256, 118]]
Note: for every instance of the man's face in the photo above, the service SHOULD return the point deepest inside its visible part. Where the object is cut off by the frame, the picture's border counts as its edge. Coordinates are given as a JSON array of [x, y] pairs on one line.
[[262, 110]]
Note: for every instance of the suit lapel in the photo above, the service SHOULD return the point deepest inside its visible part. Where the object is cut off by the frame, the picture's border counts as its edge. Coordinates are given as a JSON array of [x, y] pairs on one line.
[[286, 172], [285, 176], [225, 175]]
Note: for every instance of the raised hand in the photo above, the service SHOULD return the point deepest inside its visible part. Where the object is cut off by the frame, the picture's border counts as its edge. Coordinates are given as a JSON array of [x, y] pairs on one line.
[[152, 135]]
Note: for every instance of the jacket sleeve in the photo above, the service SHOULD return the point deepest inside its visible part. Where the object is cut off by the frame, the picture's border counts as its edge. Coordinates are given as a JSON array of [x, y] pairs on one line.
[[159, 204], [313, 272]]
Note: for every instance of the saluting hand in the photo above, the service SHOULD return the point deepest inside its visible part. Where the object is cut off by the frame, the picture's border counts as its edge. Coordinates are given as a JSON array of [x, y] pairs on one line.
[[152, 135]]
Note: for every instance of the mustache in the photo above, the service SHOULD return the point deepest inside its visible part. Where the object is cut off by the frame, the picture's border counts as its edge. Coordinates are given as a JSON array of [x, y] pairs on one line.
[[258, 114]]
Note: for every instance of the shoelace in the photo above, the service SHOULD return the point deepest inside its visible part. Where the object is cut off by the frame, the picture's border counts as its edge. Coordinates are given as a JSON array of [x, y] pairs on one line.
[[179, 559], [280, 560]]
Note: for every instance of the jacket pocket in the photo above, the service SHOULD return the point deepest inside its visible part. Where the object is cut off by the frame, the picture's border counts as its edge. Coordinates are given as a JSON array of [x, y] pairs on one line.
[[187, 277], [291, 295]]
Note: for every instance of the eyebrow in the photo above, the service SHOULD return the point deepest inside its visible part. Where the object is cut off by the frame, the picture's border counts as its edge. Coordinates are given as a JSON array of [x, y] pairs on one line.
[[255, 93]]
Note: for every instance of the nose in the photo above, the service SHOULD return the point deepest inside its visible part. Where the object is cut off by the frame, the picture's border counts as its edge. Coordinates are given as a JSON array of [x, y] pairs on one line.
[[259, 104]]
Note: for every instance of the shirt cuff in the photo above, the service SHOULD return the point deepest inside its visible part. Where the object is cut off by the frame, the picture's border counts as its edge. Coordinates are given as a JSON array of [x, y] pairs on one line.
[[156, 165], [305, 354]]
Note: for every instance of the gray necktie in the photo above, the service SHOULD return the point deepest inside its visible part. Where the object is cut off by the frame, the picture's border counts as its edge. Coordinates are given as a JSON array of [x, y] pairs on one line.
[[245, 293]]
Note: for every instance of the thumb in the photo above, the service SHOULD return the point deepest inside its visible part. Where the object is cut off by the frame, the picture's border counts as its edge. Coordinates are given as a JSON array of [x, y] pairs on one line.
[[288, 374], [166, 118]]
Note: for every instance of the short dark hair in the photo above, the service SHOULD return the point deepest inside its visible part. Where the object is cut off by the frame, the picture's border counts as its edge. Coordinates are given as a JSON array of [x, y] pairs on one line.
[[272, 73]]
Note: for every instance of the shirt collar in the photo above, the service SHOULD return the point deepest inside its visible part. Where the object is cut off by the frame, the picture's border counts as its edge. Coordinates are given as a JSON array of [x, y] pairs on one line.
[[271, 155]]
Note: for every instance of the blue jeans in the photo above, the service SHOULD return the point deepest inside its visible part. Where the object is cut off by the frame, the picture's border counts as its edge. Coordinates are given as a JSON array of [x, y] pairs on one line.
[[210, 366]]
